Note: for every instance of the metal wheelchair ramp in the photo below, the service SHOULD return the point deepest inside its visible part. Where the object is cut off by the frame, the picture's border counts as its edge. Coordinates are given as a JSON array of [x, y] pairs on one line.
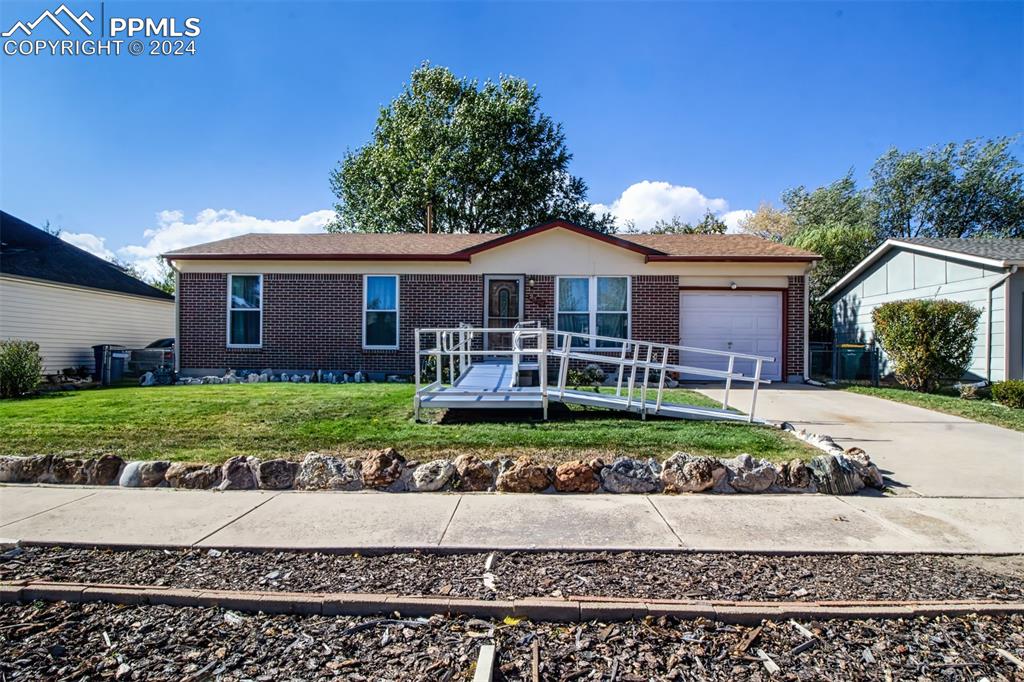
[[494, 381]]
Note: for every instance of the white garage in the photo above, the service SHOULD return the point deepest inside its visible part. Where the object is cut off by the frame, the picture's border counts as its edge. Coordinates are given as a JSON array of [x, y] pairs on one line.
[[738, 321]]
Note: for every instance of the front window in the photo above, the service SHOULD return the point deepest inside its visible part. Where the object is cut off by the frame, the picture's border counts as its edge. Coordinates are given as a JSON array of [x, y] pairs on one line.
[[245, 309], [380, 311], [593, 305]]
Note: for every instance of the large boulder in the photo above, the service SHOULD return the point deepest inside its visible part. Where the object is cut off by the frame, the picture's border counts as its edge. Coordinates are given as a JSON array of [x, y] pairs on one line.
[[324, 472], [193, 476], [431, 476], [685, 473], [104, 470], [148, 474], [36, 469], [869, 472], [11, 469], [238, 473], [66, 470], [524, 476], [749, 475], [836, 475], [382, 468], [276, 474], [794, 476], [627, 475], [578, 476], [473, 474]]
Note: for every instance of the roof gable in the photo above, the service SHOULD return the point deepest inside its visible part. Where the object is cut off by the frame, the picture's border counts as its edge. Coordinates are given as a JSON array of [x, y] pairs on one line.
[[561, 225], [1000, 253]]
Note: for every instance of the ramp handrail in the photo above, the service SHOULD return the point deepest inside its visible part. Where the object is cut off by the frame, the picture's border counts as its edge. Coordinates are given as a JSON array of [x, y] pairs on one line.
[[639, 355], [529, 328], [446, 345]]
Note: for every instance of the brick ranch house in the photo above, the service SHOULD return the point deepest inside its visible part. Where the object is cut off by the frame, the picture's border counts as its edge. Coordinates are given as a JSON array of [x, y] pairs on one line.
[[347, 302]]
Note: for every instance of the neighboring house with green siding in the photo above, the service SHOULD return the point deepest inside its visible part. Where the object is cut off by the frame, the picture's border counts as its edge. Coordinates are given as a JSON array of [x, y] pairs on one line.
[[983, 272]]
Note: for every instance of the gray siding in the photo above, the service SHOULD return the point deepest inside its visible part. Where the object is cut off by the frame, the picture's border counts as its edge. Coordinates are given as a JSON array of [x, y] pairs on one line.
[[1015, 325], [902, 274]]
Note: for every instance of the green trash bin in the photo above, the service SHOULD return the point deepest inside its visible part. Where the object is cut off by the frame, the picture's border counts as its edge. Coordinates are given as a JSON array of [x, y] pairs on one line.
[[851, 359]]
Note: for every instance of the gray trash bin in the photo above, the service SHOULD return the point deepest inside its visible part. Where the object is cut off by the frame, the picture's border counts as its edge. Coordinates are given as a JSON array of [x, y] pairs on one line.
[[109, 352]]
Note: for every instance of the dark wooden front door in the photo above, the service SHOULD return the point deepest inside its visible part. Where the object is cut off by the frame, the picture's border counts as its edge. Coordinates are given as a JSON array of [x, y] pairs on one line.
[[504, 309]]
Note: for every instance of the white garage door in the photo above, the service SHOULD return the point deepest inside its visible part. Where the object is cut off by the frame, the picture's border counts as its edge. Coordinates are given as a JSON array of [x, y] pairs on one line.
[[739, 321]]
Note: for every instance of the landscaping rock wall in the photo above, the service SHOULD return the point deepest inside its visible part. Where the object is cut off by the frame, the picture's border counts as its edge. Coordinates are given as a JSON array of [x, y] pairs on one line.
[[835, 473]]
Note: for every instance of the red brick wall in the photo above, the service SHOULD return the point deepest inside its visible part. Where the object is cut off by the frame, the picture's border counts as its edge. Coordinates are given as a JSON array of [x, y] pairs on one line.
[[315, 321], [539, 301], [656, 309], [795, 329]]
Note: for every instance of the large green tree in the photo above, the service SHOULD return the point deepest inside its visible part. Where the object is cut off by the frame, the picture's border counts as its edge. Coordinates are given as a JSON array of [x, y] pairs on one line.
[[974, 189], [479, 158], [836, 221], [839, 204], [841, 247]]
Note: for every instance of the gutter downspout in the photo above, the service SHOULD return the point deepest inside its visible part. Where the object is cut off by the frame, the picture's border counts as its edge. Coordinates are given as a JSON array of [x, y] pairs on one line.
[[177, 316], [807, 325], [988, 324]]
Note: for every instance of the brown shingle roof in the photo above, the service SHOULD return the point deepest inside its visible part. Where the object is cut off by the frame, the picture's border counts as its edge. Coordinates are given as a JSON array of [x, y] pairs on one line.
[[336, 245], [420, 246], [721, 245]]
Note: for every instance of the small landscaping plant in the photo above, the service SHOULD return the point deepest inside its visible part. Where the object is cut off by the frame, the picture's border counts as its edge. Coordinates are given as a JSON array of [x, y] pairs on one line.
[[1009, 393], [592, 375], [20, 367], [927, 341]]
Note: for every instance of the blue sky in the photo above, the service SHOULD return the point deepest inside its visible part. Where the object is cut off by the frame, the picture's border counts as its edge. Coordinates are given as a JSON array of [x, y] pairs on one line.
[[680, 106]]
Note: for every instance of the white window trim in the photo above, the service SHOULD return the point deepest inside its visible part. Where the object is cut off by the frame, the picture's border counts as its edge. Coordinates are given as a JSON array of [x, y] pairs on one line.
[[398, 313], [592, 308], [230, 309]]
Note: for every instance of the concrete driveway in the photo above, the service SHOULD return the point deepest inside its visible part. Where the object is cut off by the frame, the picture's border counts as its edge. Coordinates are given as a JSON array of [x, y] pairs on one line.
[[922, 452]]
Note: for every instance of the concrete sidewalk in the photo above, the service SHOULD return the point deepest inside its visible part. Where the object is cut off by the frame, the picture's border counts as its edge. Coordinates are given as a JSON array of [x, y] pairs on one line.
[[449, 522], [923, 452]]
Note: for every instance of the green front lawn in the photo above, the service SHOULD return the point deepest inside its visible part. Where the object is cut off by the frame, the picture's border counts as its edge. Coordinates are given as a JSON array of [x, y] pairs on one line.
[[212, 423], [981, 410]]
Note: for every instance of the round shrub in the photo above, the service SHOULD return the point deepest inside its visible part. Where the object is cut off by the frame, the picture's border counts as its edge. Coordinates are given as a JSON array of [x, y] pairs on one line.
[[1009, 393], [927, 340], [20, 367]]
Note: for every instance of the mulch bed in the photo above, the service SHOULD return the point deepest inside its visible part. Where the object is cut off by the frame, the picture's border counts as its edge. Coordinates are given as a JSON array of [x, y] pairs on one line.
[[75, 641], [523, 574]]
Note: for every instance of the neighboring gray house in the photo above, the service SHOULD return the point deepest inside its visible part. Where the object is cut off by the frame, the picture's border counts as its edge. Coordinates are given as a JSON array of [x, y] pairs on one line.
[[983, 272]]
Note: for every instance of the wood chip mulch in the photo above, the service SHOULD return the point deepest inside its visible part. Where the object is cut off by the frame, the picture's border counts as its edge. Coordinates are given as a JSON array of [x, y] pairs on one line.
[[748, 577], [62, 641]]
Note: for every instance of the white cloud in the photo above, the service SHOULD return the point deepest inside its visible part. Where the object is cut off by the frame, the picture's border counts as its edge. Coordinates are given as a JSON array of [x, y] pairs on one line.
[[174, 232], [646, 202], [88, 242], [733, 218]]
